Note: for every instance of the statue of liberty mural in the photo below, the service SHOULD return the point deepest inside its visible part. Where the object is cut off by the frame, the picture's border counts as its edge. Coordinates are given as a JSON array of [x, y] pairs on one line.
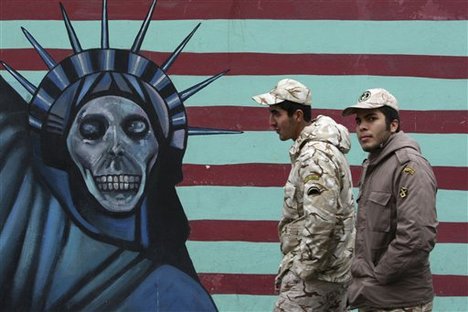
[[89, 216]]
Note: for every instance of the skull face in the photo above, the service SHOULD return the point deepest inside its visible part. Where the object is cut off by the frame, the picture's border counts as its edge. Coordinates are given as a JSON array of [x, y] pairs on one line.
[[112, 143]]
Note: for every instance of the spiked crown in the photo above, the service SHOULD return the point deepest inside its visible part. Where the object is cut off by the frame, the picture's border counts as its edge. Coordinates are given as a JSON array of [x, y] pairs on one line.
[[70, 83]]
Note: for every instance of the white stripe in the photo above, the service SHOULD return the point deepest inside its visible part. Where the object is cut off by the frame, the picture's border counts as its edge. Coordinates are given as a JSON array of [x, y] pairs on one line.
[[264, 258], [265, 147], [264, 203], [268, 36], [329, 92]]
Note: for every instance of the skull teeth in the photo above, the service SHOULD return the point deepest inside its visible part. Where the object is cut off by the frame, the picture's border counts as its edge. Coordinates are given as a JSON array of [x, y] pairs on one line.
[[123, 182]]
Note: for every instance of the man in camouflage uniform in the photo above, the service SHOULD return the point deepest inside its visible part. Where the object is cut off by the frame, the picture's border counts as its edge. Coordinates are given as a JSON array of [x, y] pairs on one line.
[[396, 219], [317, 227]]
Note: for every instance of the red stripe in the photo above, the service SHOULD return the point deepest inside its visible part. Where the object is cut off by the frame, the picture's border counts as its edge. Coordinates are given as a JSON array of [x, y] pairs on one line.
[[450, 285], [240, 284], [446, 67], [234, 230], [271, 175], [241, 9], [262, 284], [453, 232], [246, 118], [266, 231]]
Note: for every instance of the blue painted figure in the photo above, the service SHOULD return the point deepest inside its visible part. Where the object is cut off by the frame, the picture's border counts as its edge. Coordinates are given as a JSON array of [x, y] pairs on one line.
[[89, 217]]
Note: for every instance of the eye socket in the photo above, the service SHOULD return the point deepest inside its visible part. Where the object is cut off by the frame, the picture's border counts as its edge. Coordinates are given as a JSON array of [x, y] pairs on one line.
[[136, 127], [92, 128]]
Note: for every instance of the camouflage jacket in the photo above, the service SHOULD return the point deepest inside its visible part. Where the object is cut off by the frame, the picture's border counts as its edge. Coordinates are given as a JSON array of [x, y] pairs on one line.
[[317, 227]]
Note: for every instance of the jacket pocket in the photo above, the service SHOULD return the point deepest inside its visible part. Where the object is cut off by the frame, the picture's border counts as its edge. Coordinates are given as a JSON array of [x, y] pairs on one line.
[[378, 212]]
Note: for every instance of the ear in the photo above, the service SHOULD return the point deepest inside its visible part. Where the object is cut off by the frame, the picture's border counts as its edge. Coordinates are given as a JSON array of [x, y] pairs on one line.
[[298, 115], [394, 126]]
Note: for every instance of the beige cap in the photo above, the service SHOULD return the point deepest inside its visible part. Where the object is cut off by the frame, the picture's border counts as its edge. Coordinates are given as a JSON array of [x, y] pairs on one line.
[[373, 98], [286, 90]]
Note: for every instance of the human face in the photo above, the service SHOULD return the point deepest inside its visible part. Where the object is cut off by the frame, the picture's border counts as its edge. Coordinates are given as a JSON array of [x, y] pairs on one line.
[[287, 127], [372, 130]]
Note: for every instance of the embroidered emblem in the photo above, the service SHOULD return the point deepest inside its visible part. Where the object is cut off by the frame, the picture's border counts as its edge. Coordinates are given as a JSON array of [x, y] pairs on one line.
[[312, 177], [315, 190], [409, 170], [364, 96], [403, 192]]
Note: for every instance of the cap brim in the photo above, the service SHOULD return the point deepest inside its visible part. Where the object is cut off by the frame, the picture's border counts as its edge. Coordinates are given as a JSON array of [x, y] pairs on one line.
[[348, 111], [353, 109], [267, 99]]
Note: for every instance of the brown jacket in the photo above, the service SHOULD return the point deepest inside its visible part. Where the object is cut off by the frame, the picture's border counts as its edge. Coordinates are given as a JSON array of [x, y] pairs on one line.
[[396, 228]]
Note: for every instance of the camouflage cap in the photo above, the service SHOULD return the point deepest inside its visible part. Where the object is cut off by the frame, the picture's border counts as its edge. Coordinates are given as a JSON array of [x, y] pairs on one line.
[[286, 90], [373, 98]]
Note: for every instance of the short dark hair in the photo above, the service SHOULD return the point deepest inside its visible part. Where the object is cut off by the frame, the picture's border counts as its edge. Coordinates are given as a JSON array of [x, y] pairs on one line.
[[291, 107], [390, 115]]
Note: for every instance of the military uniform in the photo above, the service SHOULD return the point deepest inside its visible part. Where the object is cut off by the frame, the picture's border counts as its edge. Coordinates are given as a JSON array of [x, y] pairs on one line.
[[317, 226]]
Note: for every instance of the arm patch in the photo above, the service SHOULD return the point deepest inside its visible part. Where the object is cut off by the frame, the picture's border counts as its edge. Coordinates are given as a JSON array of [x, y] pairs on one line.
[[315, 189], [409, 170]]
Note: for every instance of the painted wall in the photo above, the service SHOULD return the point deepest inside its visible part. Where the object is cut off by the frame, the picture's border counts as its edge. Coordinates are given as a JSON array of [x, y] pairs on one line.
[[232, 189]]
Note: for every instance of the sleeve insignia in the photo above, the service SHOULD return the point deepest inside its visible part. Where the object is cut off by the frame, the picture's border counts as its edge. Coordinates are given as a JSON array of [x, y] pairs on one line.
[[312, 177], [409, 170], [315, 190], [403, 192]]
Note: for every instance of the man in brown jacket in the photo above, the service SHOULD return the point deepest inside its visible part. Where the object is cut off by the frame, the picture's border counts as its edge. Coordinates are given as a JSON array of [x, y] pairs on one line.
[[396, 222]]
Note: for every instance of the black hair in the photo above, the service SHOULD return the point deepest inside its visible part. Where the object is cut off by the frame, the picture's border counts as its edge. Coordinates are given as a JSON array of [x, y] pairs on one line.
[[390, 115], [292, 107]]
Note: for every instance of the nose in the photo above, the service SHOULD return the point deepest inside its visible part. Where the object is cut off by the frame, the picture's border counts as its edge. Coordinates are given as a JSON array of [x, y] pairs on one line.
[[362, 126], [271, 121], [116, 147], [116, 150]]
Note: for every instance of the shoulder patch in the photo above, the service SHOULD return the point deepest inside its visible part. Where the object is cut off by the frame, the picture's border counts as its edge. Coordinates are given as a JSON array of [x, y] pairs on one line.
[[315, 189], [409, 170], [402, 156]]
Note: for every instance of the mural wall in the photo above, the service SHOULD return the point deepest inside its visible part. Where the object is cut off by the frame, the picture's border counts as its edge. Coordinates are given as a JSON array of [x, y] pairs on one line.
[[231, 190]]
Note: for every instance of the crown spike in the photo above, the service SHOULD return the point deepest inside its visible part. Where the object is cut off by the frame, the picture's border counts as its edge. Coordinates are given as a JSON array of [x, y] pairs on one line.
[[104, 27], [196, 88], [48, 60], [75, 43], [208, 131], [167, 64], [144, 27], [23, 81]]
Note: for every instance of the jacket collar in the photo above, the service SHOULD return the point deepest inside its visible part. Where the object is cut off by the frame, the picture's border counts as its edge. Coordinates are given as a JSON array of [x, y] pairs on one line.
[[323, 129], [395, 142]]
